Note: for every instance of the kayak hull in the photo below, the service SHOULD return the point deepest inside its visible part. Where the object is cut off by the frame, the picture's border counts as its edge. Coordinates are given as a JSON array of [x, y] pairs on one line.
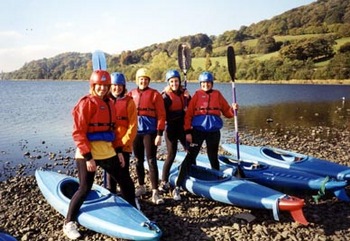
[[290, 160], [223, 187], [278, 178], [6, 237], [102, 211]]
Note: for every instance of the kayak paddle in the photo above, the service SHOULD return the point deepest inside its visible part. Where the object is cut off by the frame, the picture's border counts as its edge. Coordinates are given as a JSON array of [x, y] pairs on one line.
[[231, 63], [99, 60], [184, 59]]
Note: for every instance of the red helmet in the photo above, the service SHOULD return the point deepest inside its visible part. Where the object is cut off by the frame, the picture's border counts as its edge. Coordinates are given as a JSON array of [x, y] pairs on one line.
[[100, 77]]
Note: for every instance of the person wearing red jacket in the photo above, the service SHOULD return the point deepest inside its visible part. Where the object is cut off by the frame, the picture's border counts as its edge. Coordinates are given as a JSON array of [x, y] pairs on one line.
[[203, 123], [150, 127], [93, 133], [176, 99], [126, 128]]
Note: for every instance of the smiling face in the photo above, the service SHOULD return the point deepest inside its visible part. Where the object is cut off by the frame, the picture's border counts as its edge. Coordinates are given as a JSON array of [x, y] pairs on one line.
[[143, 82], [206, 85], [101, 90], [174, 83], [117, 89]]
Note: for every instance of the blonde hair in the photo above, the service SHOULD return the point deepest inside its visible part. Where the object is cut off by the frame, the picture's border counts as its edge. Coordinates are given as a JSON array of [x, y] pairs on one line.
[[93, 93]]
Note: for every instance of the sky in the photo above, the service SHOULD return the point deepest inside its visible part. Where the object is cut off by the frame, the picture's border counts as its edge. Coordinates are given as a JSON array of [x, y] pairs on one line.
[[37, 29]]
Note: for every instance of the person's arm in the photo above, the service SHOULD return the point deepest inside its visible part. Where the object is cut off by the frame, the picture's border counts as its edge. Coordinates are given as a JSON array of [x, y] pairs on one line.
[[189, 115], [81, 116], [131, 132], [161, 116], [226, 108]]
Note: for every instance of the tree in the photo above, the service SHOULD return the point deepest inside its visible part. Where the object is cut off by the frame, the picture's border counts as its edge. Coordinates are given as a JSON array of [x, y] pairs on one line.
[[315, 48], [265, 44], [339, 66], [345, 48]]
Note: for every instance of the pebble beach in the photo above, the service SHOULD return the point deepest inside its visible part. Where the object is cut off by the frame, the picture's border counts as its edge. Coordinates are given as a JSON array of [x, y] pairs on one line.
[[25, 214]]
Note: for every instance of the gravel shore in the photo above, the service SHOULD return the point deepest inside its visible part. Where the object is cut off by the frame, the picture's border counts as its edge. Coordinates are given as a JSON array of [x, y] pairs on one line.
[[26, 215]]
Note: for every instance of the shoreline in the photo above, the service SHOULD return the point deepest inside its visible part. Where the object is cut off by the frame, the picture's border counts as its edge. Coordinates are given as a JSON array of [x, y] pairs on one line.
[[286, 82], [26, 215], [306, 82]]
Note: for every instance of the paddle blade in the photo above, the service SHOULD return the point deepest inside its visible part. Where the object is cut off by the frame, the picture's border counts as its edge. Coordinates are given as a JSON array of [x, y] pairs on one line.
[[231, 62], [99, 60], [184, 57]]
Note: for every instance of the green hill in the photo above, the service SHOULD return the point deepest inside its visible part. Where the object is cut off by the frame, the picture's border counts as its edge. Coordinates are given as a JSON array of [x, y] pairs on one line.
[[309, 42]]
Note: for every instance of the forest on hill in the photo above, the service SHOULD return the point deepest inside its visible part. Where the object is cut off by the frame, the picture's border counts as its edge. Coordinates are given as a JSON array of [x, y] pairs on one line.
[[309, 42]]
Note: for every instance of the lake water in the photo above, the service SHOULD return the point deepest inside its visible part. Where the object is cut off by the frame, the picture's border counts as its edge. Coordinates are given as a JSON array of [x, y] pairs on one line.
[[35, 116]]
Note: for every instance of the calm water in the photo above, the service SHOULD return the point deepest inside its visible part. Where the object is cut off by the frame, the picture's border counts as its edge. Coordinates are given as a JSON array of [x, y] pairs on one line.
[[35, 116]]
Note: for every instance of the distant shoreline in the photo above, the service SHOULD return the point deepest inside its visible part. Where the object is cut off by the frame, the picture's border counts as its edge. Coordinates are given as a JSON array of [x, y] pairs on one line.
[[309, 82], [294, 81]]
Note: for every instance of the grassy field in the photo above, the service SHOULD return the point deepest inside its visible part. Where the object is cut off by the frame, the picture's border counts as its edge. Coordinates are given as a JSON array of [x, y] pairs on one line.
[[200, 62], [341, 42]]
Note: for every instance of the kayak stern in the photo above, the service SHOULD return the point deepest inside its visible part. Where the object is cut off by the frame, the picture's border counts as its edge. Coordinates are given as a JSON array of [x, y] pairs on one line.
[[294, 205]]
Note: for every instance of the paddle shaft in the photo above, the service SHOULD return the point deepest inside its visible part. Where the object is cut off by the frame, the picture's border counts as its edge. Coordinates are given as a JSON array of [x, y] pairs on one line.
[[231, 62]]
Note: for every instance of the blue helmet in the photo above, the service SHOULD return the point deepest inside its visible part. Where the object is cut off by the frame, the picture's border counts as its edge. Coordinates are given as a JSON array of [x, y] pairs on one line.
[[206, 77], [118, 78], [171, 74]]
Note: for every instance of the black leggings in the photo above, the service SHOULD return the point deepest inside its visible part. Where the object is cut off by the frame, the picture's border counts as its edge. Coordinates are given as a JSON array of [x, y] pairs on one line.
[[86, 179], [172, 136], [127, 187], [145, 143], [212, 139]]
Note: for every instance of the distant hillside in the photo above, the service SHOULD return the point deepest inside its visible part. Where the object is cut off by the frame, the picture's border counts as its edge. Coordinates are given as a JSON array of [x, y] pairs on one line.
[[309, 42], [323, 16]]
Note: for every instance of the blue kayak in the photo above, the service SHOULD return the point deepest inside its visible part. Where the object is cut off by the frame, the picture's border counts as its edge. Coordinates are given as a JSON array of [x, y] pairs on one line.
[[6, 237], [279, 178], [102, 211], [223, 187], [290, 160]]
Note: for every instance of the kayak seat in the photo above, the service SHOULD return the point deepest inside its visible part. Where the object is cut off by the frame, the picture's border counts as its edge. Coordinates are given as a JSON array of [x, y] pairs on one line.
[[281, 155], [251, 166], [69, 187], [272, 154]]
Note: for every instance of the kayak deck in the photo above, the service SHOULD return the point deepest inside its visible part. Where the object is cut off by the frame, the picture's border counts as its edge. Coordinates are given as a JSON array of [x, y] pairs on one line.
[[102, 211]]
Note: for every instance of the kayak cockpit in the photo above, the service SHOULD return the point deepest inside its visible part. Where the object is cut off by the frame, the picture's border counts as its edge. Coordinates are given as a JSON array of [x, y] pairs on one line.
[[282, 155], [246, 165], [67, 187]]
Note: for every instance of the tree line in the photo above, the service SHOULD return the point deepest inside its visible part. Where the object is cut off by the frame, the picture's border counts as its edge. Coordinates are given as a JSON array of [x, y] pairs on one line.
[[308, 51]]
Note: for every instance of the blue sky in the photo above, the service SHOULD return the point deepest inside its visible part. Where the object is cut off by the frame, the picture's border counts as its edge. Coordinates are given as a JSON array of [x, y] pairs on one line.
[[36, 29]]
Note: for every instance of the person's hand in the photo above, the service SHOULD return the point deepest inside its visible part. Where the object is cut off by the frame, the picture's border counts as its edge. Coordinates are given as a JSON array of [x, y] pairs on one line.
[[186, 93], [235, 106], [158, 140], [167, 88], [189, 138], [91, 165], [121, 159]]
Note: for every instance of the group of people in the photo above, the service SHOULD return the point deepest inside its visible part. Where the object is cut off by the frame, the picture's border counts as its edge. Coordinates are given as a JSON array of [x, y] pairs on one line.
[[110, 123]]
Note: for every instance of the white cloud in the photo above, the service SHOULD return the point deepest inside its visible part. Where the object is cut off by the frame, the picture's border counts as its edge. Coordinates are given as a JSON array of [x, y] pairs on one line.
[[14, 58]]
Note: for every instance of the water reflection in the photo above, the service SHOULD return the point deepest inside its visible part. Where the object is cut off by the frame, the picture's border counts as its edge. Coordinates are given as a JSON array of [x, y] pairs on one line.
[[284, 115]]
